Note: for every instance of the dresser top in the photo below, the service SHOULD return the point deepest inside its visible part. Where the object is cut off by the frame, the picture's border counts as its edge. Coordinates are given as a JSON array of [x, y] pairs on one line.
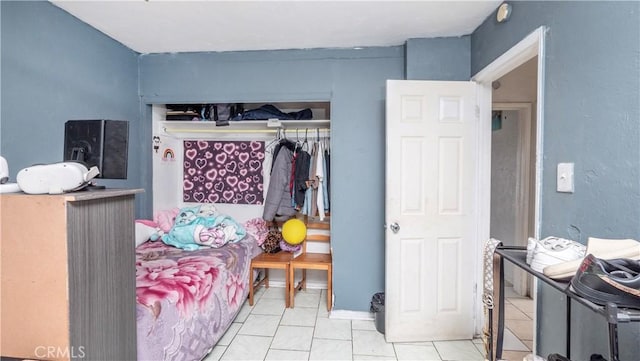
[[82, 195]]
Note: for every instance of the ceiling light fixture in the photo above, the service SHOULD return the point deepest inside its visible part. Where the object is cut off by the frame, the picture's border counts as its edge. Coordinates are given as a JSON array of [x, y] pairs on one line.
[[504, 12]]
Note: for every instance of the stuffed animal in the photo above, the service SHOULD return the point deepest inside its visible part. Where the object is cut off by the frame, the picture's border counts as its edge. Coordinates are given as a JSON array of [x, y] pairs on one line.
[[207, 210], [165, 219], [162, 223]]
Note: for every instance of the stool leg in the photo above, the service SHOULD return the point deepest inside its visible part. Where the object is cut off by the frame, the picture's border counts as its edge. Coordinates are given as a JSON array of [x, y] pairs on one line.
[[304, 279], [251, 286], [329, 289], [287, 286], [292, 285], [266, 278]]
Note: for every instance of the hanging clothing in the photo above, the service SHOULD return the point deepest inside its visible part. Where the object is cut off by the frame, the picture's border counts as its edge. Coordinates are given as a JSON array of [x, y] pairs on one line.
[[277, 205], [325, 183], [320, 180], [313, 181], [282, 143], [300, 179], [276, 150], [307, 208], [292, 177]]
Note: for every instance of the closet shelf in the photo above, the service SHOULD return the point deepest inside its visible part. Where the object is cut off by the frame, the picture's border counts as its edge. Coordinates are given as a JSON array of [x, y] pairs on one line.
[[245, 126]]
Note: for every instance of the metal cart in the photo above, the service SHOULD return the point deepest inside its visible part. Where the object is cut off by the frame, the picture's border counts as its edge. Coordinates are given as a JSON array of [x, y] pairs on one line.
[[611, 312]]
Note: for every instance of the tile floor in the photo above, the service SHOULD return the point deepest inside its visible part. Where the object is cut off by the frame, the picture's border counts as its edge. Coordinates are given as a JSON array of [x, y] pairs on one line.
[[269, 331], [518, 338]]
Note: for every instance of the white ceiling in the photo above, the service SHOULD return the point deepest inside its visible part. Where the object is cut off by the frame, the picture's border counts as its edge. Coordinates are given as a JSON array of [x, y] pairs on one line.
[[159, 26]]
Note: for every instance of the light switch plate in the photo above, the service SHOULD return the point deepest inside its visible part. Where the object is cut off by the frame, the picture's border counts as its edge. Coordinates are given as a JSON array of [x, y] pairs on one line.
[[565, 177]]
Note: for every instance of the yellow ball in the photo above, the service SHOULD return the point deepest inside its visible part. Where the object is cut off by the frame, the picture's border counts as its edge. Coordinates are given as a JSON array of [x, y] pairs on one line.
[[294, 231]]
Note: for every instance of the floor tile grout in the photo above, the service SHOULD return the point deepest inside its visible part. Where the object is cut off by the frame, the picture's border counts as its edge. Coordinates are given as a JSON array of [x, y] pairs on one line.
[[319, 340]]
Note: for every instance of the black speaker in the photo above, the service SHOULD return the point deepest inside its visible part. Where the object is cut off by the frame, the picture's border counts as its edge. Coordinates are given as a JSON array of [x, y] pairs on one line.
[[101, 143]]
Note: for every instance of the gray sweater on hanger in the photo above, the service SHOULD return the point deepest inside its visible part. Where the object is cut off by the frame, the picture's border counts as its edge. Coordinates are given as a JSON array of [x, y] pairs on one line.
[[277, 205]]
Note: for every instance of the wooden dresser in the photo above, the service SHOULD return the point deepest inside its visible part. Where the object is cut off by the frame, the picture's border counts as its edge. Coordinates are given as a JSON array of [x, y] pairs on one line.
[[68, 275]]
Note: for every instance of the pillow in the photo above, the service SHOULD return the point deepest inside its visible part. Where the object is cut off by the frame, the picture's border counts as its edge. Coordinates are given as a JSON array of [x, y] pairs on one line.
[[144, 230]]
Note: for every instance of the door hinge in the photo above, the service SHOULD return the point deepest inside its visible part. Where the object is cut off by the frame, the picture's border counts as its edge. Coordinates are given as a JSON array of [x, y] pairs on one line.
[[477, 112]]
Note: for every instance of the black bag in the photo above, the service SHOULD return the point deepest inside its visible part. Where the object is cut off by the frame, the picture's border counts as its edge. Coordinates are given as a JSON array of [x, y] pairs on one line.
[[271, 244]]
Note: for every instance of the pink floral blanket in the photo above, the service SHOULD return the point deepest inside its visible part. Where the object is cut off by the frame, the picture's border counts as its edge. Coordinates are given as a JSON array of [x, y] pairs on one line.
[[186, 300]]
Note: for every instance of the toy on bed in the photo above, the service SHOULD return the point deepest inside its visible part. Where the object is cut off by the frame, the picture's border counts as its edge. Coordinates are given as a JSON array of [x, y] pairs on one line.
[[189, 293], [153, 229]]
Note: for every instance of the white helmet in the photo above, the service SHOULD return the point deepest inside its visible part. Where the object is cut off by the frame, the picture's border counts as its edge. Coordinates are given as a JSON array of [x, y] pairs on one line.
[[4, 170]]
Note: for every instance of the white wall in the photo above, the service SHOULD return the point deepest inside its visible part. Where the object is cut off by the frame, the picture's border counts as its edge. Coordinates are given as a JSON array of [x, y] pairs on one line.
[[520, 86], [504, 169], [504, 158]]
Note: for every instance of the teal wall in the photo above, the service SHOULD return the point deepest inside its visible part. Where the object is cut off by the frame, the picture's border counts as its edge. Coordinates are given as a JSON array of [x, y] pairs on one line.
[[55, 68], [354, 82], [439, 58], [591, 118]]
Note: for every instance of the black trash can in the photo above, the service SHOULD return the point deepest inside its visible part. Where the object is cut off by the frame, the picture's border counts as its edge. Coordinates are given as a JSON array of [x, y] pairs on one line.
[[377, 307]]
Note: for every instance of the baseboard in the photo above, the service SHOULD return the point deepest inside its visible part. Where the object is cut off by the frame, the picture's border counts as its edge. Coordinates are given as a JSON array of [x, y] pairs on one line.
[[351, 315], [335, 314]]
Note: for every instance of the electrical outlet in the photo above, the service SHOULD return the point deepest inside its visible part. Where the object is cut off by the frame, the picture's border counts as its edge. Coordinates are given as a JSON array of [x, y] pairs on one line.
[[565, 177]]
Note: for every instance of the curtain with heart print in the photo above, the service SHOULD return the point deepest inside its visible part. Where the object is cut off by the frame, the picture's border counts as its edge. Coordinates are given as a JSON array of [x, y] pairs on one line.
[[223, 172]]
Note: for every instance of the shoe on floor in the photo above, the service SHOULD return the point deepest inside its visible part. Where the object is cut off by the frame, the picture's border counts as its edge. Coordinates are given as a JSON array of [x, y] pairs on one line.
[[601, 281], [552, 250]]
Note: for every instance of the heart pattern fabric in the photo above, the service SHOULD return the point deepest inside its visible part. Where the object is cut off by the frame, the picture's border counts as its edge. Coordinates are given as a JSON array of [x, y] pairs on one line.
[[223, 172]]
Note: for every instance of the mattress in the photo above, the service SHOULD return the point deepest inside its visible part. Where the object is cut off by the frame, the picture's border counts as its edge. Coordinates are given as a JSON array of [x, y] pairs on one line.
[[186, 300]]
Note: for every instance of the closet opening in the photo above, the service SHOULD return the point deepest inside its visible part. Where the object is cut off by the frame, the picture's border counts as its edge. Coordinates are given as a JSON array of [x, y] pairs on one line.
[[203, 153]]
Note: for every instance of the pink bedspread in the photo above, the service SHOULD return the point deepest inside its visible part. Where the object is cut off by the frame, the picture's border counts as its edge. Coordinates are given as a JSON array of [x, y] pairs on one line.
[[186, 300]]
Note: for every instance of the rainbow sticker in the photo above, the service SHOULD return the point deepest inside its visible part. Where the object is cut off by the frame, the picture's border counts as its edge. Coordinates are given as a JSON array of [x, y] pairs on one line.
[[168, 154]]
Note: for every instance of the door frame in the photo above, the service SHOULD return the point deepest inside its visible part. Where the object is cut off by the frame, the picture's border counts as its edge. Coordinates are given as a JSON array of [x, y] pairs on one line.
[[532, 45], [521, 278]]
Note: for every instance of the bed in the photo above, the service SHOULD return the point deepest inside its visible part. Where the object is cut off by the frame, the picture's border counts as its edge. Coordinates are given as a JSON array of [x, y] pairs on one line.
[[187, 299]]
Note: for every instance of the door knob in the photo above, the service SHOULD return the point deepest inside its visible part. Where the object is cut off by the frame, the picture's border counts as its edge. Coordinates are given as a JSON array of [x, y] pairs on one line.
[[395, 227]]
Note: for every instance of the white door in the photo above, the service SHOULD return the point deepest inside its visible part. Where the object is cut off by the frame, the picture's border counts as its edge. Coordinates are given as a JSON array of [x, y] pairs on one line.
[[431, 176]]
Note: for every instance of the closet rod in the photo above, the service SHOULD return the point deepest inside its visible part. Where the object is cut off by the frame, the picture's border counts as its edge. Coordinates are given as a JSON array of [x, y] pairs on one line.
[[191, 130]]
